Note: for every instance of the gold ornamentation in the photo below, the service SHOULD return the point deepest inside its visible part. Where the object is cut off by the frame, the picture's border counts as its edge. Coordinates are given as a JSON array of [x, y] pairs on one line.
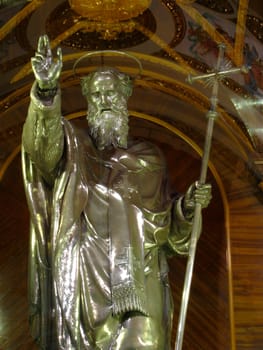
[[15, 20], [109, 17], [240, 32], [109, 11], [96, 35]]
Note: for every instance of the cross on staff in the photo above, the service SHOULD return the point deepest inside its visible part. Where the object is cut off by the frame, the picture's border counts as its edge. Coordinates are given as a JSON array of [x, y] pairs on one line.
[[214, 77]]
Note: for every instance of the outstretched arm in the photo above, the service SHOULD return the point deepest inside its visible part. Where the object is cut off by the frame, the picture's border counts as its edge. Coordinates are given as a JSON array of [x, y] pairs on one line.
[[43, 136]]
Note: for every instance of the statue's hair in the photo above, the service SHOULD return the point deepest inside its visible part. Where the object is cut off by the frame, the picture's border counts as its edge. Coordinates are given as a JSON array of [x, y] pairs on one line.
[[125, 82]]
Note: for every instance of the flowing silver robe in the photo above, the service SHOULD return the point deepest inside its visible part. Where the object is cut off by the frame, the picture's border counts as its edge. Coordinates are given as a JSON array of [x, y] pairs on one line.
[[100, 233]]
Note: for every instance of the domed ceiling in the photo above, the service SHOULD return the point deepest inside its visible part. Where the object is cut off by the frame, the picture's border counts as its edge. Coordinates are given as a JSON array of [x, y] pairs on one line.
[[172, 39]]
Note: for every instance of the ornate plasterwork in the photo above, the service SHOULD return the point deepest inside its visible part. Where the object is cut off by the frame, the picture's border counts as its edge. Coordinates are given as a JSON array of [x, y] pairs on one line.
[[95, 35]]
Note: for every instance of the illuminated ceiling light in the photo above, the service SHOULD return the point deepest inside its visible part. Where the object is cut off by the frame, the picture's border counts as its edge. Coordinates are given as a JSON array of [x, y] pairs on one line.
[[109, 17], [109, 11]]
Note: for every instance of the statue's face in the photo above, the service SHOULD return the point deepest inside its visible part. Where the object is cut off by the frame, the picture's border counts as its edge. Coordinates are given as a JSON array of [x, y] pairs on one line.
[[107, 112]]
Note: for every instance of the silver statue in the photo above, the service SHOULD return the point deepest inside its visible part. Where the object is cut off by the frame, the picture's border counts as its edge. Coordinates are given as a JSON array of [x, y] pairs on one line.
[[102, 219]]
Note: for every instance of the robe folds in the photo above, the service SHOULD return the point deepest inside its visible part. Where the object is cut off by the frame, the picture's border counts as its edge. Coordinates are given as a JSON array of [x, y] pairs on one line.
[[100, 237]]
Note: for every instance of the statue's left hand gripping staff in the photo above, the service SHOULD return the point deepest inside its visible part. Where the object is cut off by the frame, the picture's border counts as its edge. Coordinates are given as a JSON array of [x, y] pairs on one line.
[[46, 69]]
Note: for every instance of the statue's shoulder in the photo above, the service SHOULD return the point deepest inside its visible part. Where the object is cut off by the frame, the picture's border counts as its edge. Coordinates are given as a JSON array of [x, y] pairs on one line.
[[147, 151], [77, 127], [77, 132]]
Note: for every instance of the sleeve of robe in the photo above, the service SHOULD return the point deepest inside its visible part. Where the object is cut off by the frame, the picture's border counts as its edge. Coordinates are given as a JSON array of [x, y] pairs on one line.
[[42, 148], [165, 222], [43, 136], [180, 232]]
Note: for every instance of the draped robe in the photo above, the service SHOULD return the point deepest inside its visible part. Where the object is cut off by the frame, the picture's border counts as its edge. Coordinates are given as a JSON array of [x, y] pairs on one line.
[[100, 235]]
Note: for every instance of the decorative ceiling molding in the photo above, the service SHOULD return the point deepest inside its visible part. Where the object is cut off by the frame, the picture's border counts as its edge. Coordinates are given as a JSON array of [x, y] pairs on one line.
[[191, 45], [238, 58], [19, 17]]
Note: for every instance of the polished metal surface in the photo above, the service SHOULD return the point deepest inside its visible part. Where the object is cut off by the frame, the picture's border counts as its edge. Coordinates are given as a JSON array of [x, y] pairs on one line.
[[102, 220], [211, 116]]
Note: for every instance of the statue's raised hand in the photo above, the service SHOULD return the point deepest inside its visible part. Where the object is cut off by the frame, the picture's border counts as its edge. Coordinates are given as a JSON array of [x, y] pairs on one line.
[[46, 69]]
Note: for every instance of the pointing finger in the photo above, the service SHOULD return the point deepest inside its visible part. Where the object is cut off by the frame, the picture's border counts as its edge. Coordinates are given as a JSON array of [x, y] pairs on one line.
[[44, 46], [59, 54], [41, 45]]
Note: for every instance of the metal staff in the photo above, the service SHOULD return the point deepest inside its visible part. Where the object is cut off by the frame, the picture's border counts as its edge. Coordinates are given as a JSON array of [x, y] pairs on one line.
[[212, 114]]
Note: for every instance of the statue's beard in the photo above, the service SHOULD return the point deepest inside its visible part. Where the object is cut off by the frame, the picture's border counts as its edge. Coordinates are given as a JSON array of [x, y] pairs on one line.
[[108, 127]]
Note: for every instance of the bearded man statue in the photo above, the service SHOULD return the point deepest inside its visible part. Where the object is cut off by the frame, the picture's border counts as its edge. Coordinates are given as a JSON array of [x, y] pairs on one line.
[[102, 219]]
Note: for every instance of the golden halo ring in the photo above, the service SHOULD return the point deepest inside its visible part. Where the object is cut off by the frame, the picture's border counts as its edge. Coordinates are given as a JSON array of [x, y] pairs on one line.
[[103, 53]]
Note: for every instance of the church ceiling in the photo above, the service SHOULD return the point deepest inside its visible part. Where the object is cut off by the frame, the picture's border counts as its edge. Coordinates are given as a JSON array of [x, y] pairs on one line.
[[172, 38]]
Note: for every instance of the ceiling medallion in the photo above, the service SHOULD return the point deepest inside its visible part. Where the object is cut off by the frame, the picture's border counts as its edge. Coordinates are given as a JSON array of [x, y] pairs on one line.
[[98, 35], [109, 11], [110, 17]]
